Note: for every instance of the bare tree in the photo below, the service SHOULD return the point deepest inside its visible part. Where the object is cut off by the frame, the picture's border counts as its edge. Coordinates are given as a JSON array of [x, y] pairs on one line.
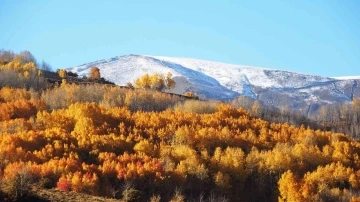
[[45, 66], [6, 56], [25, 57]]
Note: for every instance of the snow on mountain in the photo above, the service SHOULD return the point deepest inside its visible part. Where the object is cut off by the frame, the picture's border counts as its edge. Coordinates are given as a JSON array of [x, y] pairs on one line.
[[346, 77], [215, 80], [229, 74]]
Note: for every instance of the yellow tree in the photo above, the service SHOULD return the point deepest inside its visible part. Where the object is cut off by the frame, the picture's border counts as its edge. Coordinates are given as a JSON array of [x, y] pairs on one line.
[[157, 82], [189, 94], [289, 188], [143, 82], [256, 108], [62, 73]]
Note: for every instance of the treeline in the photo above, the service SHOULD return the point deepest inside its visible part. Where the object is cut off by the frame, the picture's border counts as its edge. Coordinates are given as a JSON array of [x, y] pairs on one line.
[[338, 118], [343, 118], [20, 103], [21, 71], [274, 114], [223, 153]]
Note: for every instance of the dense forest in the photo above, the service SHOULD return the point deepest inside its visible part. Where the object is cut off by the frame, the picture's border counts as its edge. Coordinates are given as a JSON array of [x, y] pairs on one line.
[[146, 145]]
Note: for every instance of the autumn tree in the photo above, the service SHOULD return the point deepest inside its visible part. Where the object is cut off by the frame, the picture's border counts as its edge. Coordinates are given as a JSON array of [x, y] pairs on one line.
[[20, 71], [155, 82], [143, 82], [62, 73], [169, 82], [256, 108], [190, 94], [94, 73], [24, 57], [289, 188]]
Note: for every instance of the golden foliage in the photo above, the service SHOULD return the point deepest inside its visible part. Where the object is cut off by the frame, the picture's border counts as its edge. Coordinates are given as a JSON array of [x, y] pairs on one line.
[[123, 137], [62, 73], [94, 73], [190, 94], [155, 82]]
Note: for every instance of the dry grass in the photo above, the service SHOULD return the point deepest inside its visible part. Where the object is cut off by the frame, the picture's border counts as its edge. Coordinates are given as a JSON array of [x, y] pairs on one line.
[[54, 195]]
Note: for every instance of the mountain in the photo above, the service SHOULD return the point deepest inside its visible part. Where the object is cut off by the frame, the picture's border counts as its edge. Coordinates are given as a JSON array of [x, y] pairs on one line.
[[215, 80], [347, 77]]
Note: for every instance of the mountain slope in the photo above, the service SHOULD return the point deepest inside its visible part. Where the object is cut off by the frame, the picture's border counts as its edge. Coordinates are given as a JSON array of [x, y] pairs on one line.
[[214, 80]]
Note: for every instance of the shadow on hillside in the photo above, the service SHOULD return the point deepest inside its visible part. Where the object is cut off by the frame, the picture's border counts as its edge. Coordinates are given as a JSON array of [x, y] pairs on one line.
[[30, 197]]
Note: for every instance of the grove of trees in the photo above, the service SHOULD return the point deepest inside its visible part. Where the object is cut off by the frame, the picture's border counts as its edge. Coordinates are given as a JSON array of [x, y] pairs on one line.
[[155, 81], [20, 71], [145, 145], [98, 144]]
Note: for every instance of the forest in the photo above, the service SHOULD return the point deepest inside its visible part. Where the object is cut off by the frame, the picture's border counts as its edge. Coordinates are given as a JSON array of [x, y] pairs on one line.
[[146, 145]]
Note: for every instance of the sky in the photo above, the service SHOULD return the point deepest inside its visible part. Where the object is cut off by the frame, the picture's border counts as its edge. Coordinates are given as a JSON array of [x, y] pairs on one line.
[[319, 37]]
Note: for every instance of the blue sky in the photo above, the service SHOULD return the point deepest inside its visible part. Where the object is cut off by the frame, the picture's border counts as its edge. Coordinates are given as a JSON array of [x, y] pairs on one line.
[[314, 37]]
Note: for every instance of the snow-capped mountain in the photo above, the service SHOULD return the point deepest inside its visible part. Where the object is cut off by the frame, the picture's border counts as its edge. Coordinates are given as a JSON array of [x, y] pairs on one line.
[[215, 80]]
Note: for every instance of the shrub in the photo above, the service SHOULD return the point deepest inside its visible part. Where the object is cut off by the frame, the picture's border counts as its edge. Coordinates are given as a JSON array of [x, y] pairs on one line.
[[63, 184], [19, 185], [197, 106], [129, 192]]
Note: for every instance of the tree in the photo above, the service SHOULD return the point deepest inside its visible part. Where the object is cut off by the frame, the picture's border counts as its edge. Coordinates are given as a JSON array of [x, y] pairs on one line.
[[169, 82], [129, 192], [143, 82], [288, 187], [155, 82], [45, 66], [62, 73], [190, 94], [6, 57], [25, 57], [95, 73], [256, 108]]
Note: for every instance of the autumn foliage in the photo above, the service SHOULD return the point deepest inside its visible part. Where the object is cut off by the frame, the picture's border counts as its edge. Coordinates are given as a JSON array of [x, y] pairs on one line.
[[94, 73], [141, 144], [20, 71], [155, 81], [166, 150]]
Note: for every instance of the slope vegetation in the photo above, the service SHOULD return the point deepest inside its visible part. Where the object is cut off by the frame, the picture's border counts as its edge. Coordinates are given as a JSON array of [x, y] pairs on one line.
[[134, 155]]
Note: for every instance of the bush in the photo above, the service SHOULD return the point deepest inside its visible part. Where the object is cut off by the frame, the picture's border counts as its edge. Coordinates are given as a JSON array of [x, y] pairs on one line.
[[19, 186], [156, 198], [197, 106], [178, 197], [129, 192]]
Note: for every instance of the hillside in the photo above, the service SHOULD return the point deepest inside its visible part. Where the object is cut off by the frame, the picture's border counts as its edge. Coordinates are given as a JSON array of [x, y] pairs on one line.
[[221, 81], [137, 145], [97, 142]]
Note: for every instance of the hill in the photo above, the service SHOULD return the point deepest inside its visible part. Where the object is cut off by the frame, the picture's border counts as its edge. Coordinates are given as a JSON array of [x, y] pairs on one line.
[[172, 154], [221, 81]]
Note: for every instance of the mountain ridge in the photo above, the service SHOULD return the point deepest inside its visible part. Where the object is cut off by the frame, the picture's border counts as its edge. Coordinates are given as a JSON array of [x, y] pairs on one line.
[[224, 81]]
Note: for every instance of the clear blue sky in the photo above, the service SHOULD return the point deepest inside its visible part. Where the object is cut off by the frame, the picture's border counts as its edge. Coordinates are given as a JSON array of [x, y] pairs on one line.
[[315, 37]]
